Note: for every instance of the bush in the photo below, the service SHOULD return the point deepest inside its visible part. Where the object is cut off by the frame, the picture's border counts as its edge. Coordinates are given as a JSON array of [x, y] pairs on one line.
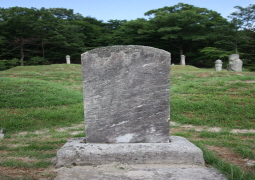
[[37, 61], [3, 64], [7, 64], [251, 67]]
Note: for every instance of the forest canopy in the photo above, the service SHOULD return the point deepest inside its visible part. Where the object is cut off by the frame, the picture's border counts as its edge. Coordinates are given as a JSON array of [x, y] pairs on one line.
[[31, 36]]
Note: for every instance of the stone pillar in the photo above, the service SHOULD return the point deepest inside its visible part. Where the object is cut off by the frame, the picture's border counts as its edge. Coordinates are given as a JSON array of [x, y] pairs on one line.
[[235, 64], [68, 59], [218, 65], [182, 60]]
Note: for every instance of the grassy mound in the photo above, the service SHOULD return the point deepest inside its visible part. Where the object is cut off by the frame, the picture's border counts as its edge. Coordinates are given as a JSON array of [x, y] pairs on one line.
[[46, 68], [186, 68], [26, 93]]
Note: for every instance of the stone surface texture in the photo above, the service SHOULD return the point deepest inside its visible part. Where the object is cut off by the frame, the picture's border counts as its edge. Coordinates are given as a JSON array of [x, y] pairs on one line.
[[178, 151], [126, 94], [117, 171], [235, 64]]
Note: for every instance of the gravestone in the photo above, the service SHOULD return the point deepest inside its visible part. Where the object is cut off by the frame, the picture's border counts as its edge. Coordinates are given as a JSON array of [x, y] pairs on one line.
[[68, 59], [235, 64], [183, 60], [126, 105], [218, 65], [126, 94], [127, 111]]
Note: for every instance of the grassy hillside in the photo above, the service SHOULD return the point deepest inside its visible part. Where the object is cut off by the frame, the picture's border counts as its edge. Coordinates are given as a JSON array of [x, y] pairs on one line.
[[41, 108]]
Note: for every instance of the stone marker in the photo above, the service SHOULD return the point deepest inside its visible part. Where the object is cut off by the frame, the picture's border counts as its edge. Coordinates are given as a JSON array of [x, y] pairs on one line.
[[126, 97], [183, 60], [1, 133], [235, 64], [68, 59], [218, 65], [126, 94]]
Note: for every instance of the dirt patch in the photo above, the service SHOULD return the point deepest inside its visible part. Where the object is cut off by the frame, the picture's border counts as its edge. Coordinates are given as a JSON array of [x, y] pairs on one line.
[[40, 174], [250, 81], [76, 126], [210, 129], [204, 74], [229, 156]]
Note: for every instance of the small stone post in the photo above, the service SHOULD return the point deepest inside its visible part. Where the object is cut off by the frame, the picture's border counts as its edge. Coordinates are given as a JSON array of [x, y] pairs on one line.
[[68, 59], [182, 60], [1, 133], [218, 65]]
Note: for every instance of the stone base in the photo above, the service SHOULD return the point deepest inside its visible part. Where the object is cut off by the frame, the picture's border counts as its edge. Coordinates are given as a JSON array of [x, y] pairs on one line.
[[117, 171], [178, 151]]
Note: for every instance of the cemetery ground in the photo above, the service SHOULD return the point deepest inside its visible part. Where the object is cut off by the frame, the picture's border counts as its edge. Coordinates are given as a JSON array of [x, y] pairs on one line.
[[41, 108]]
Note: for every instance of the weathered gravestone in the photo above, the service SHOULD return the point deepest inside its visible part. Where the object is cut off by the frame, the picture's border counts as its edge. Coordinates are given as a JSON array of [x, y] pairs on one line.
[[235, 64], [126, 94], [127, 111], [126, 97]]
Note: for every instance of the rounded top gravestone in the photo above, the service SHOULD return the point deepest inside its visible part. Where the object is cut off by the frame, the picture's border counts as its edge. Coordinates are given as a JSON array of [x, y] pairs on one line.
[[126, 94]]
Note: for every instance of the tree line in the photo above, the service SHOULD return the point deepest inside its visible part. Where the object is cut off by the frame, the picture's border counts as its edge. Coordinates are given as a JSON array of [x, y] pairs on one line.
[[31, 36]]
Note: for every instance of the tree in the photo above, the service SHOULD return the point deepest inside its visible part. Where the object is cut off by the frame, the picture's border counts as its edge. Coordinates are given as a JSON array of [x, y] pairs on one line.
[[19, 27], [244, 19], [183, 24], [131, 32], [32, 30]]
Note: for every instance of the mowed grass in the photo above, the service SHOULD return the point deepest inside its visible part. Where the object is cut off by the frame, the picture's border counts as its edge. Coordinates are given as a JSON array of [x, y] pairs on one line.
[[222, 99], [41, 108], [205, 98]]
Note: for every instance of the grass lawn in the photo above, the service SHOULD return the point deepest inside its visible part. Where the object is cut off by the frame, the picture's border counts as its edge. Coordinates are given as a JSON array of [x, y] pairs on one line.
[[41, 108]]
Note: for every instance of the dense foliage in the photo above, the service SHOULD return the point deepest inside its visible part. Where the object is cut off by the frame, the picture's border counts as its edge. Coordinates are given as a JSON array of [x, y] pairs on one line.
[[31, 36]]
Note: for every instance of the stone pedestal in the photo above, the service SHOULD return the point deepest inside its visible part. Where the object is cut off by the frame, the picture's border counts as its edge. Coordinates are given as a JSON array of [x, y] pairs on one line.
[[178, 151]]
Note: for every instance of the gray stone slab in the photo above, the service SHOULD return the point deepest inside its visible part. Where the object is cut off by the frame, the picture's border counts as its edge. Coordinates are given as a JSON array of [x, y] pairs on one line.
[[126, 94], [117, 171], [178, 151]]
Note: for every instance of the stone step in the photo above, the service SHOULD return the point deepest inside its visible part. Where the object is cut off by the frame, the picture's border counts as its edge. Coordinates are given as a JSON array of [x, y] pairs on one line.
[[117, 171]]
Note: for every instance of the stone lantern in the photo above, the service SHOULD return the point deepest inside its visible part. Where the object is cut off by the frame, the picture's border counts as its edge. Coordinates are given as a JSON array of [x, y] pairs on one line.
[[218, 65], [68, 59]]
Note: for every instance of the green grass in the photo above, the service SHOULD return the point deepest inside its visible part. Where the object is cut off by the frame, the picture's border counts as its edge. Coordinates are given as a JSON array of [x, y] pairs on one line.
[[231, 171], [46, 98], [28, 93], [214, 101]]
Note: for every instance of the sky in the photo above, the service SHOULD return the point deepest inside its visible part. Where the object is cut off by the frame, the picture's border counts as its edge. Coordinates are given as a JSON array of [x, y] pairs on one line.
[[125, 9]]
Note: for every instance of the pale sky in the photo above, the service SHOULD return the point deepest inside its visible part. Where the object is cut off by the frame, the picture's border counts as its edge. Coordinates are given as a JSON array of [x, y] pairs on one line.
[[125, 9]]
